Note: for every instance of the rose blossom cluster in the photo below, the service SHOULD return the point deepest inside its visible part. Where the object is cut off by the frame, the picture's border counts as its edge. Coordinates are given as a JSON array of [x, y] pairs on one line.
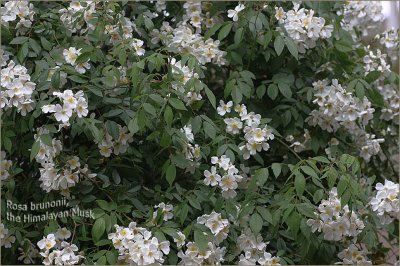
[[234, 13], [72, 103], [165, 210], [47, 152], [391, 97], [23, 10], [390, 40], [125, 24], [182, 40], [182, 75], [353, 256], [4, 166], [218, 226], [198, 14], [335, 221], [296, 144], [28, 252], [303, 27], [161, 7], [253, 250], [386, 201], [70, 56], [71, 17], [256, 137], [52, 176], [339, 108], [56, 251], [6, 239], [363, 15], [127, 27], [63, 75], [136, 245], [16, 88], [191, 150], [223, 174], [213, 254], [375, 62], [108, 145], [4, 57]]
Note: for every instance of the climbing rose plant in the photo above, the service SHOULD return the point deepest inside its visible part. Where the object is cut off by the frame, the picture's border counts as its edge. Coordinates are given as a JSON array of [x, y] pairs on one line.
[[198, 132]]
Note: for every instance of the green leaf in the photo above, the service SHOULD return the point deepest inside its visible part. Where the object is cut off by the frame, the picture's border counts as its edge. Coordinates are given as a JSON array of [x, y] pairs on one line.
[[35, 149], [99, 254], [342, 186], [278, 45], [55, 79], [171, 174], [299, 183], [133, 125], [256, 223], [116, 177], [113, 113], [209, 129], [46, 139], [211, 97], [276, 168], [45, 43], [375, 97], [157, 98], [321, 159], [318, 195], [112, 129], [237, 95], [306, 209], [35, 46], [177, 104], [343, 46], [77, 79], [201, 240], [238, 36], [224, 31], [7, 144], [184, 210], [272, 91], [309, 171], [95, 132], [360, 91], [82, 58], [292, 47], [150, 109], [260, 91], [124, 208], [267, 39], [111, 257], [284, 88], [104, 205], [168, 116], [196, 124], [265, 213], [372, 76], [96, 91], [101, 261], [98, 229], [19, 40], [23, 52], [212, 31], [262, 176]]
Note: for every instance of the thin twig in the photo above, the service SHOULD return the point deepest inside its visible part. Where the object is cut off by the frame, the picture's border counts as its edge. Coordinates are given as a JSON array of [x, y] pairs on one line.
[[290, 149]]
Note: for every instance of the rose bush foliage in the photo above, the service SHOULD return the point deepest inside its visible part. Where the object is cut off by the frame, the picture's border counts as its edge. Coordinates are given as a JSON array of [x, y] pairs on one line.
[[200, 133]]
